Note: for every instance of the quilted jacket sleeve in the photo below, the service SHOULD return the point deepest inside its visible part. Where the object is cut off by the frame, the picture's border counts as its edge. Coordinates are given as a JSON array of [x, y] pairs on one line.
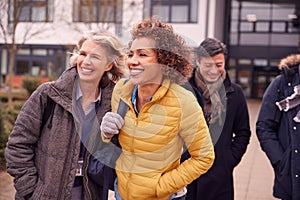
[[19, 150]]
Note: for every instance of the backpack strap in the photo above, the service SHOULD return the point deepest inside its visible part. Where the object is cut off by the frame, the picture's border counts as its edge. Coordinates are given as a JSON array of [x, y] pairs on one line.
[[109, 173], [48, 111], [286, 77]]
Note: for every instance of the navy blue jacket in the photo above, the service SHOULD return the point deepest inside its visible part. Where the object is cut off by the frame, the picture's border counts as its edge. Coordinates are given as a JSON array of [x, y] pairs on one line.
[[279, 135], [230, 145]]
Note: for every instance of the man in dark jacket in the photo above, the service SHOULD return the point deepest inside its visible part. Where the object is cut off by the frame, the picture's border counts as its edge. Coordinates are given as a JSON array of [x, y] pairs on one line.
[[226, 113], [278, 126]]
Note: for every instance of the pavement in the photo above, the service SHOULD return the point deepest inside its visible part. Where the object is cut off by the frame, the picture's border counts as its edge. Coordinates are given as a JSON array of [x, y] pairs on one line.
[[253, 177]]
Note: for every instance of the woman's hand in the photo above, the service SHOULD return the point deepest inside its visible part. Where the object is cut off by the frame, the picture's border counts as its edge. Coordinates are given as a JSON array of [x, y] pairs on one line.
[[111, 124]]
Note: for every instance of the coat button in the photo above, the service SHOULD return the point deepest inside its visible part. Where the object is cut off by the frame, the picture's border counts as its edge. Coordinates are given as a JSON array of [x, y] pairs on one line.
[[289, 84], [296, 151], [296, 175], [295, 128]]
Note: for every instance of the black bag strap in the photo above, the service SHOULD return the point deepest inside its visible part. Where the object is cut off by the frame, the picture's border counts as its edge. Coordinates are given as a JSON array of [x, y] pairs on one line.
[[122, 109], [48, 111]]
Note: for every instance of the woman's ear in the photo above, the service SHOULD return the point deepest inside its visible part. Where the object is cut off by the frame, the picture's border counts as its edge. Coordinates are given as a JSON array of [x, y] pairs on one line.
[[198, 63], [109, 67]]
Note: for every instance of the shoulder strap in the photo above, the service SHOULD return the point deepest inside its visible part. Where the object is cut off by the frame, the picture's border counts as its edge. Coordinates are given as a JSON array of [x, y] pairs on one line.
[[47, 111], [286, 77], [280, 90]]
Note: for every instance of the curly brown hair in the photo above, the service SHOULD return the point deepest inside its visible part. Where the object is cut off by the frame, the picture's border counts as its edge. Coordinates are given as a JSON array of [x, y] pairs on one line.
[[171, 49]]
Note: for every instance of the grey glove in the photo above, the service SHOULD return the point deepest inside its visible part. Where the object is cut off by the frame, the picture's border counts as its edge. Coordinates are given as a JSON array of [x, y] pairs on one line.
[[111, 124]]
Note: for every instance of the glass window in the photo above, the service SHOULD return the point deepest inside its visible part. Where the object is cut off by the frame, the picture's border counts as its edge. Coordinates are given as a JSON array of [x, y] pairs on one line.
[[260, 62], [262, 26], [97, 11], [274, 63], [182, 14], [38, 69], [281, 11], [254, 39], [162, 12], [32, 10], [244, 61], [22, 67], [40, 52], [265, 5], [290, 40], [233, 39], [23, 52], [246, 26], [278, 26], [261, 14], [40, 61], [172, 11], [234, 13]]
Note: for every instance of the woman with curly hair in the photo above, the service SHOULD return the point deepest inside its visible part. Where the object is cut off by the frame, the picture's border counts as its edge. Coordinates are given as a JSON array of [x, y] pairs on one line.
[[161, 118]]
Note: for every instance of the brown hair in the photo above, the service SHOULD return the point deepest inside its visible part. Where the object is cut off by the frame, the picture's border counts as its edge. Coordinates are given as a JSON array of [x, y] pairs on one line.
[[171, 49]]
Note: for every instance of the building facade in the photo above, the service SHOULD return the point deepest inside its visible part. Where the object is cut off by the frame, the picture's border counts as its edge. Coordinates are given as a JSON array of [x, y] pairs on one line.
[[258, 33]]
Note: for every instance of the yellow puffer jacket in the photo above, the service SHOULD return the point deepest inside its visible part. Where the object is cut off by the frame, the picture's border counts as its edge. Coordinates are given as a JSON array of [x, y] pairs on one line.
[[152, 143]]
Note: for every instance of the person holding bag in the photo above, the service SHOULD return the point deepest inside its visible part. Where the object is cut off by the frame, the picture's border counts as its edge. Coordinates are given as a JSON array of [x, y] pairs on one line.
[[51, 161], [162, 117]]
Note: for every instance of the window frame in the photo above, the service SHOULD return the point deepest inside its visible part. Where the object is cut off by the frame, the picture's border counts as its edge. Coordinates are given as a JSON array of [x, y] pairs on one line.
[[169, 4], [97, 17], [31, 5]]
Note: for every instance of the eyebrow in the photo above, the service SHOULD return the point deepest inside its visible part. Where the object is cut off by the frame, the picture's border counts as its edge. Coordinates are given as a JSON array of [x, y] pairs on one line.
[[145, 49]]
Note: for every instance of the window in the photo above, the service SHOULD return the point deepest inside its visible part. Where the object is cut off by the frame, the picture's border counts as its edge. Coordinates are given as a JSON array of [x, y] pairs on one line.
[[172, 11], [40, 61], [31, 10], [22, 67], [253, 23], [109, 11]]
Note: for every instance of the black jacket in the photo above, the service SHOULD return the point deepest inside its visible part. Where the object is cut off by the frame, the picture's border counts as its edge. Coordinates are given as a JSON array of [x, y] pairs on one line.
[[230, 145], [279, 134]]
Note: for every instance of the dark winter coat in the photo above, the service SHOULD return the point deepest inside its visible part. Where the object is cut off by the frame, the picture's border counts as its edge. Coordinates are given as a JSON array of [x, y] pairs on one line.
[[279, 134], [217, 183], [44, 161]]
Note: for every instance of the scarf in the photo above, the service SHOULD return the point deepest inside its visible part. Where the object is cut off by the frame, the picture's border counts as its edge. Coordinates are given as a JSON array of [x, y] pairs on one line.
[[291, 102], [213, 107]]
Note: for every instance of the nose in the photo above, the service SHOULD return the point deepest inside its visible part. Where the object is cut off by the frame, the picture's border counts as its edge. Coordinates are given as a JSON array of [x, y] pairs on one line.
[[87, 60], [214, 69], [133, 60]]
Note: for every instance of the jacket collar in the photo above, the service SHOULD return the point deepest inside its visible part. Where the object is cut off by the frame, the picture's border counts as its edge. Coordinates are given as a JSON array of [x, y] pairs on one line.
[[128, 86]]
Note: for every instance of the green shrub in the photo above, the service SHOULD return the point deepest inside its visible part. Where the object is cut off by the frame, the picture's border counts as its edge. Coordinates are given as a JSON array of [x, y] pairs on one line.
[[7, 121], [30, 83], [20, 95]]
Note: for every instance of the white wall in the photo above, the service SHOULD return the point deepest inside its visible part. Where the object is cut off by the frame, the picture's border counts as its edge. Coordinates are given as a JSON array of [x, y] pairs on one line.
[[65, 32]]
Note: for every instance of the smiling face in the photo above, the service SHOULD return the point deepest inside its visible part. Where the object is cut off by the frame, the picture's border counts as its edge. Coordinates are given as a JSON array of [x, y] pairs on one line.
[[211, 68], [142, 62], [92, 62]]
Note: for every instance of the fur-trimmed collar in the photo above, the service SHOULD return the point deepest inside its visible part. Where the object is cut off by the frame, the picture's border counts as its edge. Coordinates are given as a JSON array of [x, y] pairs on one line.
[[289, 61]]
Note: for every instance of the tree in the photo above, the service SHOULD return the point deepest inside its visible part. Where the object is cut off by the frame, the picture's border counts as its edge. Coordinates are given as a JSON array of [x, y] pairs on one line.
[[17, 12]]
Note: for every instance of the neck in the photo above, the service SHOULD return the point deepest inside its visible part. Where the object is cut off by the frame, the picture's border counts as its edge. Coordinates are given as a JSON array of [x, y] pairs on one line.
[[145, 92], [89, 93]]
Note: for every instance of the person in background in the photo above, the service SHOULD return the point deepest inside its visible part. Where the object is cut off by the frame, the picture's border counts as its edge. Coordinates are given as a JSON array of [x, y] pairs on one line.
[[162, 116], [50, 161], [226, 113], [278, 126]]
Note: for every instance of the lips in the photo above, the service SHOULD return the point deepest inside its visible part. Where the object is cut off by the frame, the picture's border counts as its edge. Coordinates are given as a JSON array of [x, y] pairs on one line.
[[86, 70], [134, 72]]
